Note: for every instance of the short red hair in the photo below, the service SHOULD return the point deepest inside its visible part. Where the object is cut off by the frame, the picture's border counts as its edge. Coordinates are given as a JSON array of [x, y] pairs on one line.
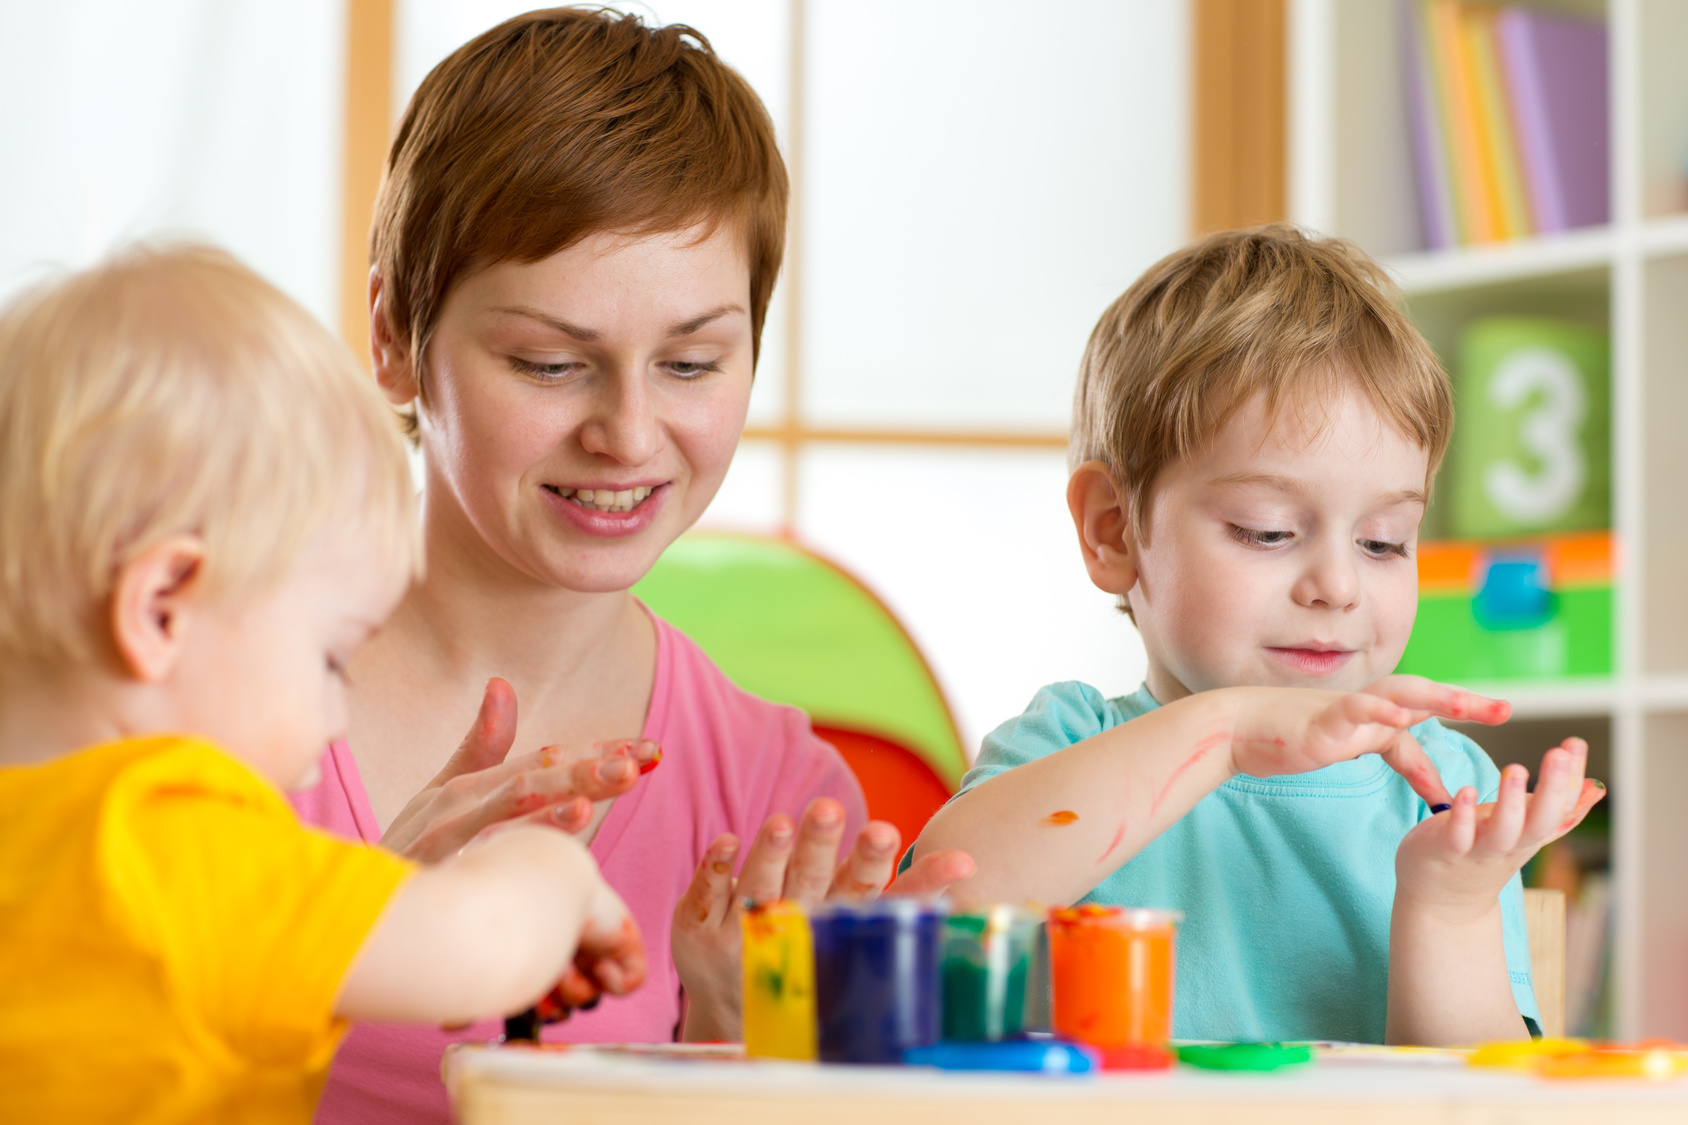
[[563, 123]]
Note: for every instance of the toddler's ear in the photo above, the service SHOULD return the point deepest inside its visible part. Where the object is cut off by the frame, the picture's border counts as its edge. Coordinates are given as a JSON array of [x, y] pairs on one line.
[[389, 356], [1102, 517], [150, 602]]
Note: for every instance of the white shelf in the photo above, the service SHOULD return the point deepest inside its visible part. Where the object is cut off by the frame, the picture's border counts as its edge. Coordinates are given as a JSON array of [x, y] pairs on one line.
[[1469, 266], [1594, 695], [1661, 237]]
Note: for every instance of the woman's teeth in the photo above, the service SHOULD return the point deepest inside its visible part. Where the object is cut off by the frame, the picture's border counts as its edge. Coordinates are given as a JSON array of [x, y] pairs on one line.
[[604, 499]]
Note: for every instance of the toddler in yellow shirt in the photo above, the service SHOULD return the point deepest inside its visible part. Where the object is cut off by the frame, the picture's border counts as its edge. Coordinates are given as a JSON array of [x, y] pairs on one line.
[[204, 510]]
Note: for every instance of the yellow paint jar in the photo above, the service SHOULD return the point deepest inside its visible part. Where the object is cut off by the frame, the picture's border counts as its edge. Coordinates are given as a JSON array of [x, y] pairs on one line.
[[779, 982]]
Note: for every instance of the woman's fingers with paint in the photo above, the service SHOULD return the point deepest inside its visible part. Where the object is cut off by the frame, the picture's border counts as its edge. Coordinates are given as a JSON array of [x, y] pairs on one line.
[[933, 874], [762, 877], [709, 898], [814, 858], [870, 864]]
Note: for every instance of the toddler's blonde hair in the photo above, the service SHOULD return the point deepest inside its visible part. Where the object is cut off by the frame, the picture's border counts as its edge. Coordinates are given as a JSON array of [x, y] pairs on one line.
[[171, 390], [1267, 311]]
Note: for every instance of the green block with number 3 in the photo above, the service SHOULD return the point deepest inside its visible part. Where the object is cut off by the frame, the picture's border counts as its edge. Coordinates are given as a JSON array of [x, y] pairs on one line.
[[1532, 447]]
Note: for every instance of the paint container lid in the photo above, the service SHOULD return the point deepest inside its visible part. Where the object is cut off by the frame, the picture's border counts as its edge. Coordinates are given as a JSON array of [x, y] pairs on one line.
[[1032, 1056], [1245, 1056], [997, 918], [907, 909], [1522, 1054], [1117, 917]]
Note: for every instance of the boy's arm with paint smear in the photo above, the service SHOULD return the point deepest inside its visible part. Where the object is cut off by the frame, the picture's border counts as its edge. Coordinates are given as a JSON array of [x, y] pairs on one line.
[[1051, 829], [1448, 982], [492, 930]]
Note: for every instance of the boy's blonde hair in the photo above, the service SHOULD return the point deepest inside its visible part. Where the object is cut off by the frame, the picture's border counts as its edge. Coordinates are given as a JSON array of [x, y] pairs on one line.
[[170, 391], [1236, 314]]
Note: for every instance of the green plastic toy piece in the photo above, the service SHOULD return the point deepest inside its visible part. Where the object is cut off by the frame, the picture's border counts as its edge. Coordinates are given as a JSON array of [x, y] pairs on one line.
[[1245, 1056], [788, 625]]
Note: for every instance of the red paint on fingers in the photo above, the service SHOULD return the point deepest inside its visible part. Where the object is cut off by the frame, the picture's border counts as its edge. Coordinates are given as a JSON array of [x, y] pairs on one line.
[[1061, 818], [647, 767]]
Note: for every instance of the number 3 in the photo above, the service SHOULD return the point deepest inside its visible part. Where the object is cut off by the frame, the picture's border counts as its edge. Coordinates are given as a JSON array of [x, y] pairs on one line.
[[1548, 433]]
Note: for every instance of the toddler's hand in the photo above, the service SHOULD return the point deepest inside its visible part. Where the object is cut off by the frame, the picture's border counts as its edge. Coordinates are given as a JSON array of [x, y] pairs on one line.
[[1283, 731], [609, 957], [1456, 863]]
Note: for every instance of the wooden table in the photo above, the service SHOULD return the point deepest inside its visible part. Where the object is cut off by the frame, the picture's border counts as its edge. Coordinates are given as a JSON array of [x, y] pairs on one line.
[[519, 1086]]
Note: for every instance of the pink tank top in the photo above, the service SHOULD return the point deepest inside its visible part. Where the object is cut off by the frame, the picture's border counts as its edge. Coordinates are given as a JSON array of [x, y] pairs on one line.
[[730, 760]]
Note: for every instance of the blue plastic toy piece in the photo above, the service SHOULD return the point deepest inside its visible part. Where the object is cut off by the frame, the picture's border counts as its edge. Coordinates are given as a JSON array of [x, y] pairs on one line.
[[1514, 595], [1043, 1056]]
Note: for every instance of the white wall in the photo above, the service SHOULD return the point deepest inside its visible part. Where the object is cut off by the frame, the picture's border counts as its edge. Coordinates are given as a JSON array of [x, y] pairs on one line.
[[210, 119]]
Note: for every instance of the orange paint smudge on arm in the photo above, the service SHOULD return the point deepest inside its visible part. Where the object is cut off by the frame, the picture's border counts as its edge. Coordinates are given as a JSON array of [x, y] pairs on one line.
[[1061, 818]]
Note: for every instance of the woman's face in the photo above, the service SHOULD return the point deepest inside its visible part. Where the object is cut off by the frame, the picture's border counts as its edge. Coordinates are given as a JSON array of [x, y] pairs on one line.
[[582, 410]]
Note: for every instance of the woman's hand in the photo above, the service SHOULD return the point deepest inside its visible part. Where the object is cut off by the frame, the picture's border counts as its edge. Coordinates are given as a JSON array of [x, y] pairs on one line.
[[785, 861], [481, 787]]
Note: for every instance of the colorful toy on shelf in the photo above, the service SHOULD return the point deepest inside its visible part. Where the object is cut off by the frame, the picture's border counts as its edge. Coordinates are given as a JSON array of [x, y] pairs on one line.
[[878, 990], [988, 959], [1531, 454], [1538, 609], [1113, 973], [779, 982]]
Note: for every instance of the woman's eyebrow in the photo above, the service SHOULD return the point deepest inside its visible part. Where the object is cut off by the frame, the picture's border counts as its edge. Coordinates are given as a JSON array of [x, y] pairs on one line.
[[584, 335], [687, 327]]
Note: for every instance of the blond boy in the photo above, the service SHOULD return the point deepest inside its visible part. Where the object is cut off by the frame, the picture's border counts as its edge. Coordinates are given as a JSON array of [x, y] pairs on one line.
[[204, 511], [1257, 427]]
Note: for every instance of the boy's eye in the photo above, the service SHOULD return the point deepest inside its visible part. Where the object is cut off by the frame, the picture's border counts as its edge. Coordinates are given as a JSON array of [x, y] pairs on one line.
[[1252, 538], [543, 370], [1382, 548]]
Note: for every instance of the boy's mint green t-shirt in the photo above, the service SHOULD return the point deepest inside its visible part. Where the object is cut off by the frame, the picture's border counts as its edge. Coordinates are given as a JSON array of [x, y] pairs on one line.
[[1286, 883]]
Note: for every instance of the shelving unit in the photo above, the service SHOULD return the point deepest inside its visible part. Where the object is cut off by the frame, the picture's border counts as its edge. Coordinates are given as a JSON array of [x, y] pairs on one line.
[[1351, 174]]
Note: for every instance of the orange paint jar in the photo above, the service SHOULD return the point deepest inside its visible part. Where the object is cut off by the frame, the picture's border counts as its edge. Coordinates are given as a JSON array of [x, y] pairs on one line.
[[1113, 972]]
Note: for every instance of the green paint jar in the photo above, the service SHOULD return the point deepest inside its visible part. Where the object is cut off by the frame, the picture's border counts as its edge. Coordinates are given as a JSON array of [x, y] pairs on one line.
[[988, 959]]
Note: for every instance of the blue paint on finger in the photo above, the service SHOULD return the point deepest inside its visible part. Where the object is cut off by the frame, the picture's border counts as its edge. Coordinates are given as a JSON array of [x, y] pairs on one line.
[[1434, 809]]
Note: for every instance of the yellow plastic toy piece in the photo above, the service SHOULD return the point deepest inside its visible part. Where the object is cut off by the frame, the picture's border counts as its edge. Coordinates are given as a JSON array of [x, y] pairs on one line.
[[779, 982], [1524, 1054]]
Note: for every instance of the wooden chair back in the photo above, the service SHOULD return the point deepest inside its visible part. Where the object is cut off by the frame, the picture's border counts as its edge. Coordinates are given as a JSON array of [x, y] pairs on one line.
[[1544, 916]]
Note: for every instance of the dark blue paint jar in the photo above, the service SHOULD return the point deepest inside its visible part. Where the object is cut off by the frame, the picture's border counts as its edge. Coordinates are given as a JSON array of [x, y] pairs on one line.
[[878, 988]]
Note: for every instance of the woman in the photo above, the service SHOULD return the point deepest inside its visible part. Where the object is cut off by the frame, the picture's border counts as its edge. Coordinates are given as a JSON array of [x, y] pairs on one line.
[[574, 250]]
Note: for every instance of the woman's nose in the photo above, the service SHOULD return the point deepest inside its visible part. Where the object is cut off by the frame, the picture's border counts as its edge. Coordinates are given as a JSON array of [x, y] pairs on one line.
[[624, 425]]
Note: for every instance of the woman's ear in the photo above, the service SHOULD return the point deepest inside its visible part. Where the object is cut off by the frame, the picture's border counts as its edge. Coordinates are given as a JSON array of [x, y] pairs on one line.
[[1102, 518], [389, 356], [152, 602]]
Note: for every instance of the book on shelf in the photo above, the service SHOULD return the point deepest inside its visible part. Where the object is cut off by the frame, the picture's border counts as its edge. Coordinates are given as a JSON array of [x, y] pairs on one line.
[[1508, 110]]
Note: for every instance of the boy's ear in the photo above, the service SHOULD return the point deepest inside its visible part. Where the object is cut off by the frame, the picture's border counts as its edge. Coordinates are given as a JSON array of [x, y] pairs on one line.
[[389, 356], [151, 602], [1102, 517]]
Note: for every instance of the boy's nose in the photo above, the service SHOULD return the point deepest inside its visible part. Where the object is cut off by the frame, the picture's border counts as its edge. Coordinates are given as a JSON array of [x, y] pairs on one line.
[[1330, 580]]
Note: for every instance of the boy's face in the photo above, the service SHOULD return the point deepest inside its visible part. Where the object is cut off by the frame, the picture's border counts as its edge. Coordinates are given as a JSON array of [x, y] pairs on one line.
[[264, 676], [1282, 555], [583, 409]]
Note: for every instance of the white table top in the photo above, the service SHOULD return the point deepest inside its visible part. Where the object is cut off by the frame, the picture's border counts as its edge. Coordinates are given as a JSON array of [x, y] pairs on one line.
[[518, 1085]]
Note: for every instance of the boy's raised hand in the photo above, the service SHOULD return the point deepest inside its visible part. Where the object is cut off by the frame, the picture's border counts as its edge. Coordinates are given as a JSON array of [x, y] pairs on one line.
[[1286, 732], [1455, 863]]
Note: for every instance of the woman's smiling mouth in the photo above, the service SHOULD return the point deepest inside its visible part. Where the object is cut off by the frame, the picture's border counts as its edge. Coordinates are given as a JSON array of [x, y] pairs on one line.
[[604, 499]]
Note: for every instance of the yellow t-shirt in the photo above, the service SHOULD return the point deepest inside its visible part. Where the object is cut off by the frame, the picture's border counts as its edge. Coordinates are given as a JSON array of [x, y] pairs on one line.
[[171, 938]]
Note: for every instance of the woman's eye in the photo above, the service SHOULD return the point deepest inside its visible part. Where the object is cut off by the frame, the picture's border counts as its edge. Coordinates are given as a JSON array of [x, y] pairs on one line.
[[691, 369], [1382, 548], [1249, 537], [543, 370]]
